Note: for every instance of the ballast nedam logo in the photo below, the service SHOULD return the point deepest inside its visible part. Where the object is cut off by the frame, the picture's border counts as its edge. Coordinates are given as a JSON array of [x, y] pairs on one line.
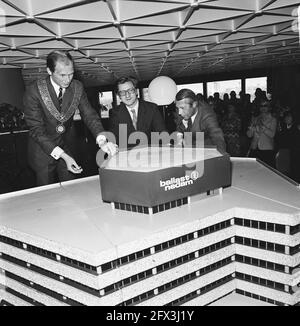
[[176, 183]]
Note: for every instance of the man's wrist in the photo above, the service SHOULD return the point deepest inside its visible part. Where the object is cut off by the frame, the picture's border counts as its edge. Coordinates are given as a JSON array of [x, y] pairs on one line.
[[57, 153]]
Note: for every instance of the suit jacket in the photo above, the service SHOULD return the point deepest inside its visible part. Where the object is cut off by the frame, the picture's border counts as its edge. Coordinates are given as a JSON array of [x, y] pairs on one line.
[[149, 120], [206, 121], [43, 137]]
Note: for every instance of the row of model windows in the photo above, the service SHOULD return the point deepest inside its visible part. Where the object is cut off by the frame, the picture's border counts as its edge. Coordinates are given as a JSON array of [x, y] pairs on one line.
[[260, 281], [192, 236], [160, 269], [166, 287], [23, 297], [49, 274], [273, 227], [201, 291], [49, 255], [178, 282], [295, 250], [125, 260], [280, 228], [190, 277], [295, 229], [164, 246], [259, 297], [121, 261], [129, 281], [260, 263], [4, 303], [167, 266], [156, 209], [260, 244], [119, 285], [42, 289]]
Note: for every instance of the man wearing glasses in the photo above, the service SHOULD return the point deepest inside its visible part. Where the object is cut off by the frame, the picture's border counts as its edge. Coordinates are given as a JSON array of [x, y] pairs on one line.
[[134, 113]]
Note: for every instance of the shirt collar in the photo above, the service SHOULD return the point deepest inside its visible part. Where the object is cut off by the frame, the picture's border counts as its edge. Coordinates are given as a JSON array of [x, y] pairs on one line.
[[185, 122], [194, 116], [56, 87], [136, 108]]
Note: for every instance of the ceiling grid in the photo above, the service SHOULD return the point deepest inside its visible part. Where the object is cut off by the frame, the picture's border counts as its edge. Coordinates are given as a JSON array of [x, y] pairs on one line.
[[148, 38]]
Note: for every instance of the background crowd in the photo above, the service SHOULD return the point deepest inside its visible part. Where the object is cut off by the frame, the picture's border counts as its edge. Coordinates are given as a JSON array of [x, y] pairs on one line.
[[263, 128]]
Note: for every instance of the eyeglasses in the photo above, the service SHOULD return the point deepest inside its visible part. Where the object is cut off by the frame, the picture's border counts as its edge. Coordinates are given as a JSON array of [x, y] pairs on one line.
[[130, 91]]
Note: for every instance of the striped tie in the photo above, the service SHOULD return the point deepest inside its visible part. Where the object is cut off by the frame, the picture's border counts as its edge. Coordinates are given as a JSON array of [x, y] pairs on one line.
[[134, 119], [60, 97]]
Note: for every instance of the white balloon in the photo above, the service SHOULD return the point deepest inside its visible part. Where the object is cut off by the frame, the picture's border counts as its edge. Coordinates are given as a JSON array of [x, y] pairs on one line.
[[162, 90]]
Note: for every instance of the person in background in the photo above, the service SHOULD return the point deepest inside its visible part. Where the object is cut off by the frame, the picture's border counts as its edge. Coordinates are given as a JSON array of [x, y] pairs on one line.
[[262, 130], [218, 106], [49, 107], [226, 99], [285, 129], [233, 99], [232, 126], [295, 151], [196, 117], [201, 98], [134, 113]]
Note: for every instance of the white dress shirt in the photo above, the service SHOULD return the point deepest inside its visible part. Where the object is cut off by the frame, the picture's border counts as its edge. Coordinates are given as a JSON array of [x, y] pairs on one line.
[[57, 87], [58, 151], [185, 122], [136, 108]]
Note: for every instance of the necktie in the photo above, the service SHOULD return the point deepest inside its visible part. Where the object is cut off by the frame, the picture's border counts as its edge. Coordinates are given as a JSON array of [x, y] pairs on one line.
[[60, 97], [190, 124], [134, 118]]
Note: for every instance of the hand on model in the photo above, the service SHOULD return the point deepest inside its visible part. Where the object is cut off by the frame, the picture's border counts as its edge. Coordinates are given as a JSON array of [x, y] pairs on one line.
[[179, 140], [110, 148], [72, 166]]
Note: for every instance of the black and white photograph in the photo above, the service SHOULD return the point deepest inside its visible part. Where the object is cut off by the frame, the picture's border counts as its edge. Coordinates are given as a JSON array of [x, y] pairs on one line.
[[150, 156]]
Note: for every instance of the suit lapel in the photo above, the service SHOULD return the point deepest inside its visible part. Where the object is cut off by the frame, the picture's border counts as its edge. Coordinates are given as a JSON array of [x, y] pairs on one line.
[[68, 97], [141, 115], [196, 125], [52, 93], [125, 116]]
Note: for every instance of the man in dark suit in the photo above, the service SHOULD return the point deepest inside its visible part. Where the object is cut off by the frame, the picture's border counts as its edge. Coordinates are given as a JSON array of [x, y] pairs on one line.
[[49, 107], [195, 117], [134, 114]]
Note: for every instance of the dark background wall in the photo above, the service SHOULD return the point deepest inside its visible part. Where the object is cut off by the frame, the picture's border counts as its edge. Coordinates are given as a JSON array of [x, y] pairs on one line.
[[284, 83], [11, 87]]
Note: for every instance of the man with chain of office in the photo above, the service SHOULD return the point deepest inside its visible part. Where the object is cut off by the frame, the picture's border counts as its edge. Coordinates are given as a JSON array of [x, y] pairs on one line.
[[49, 107]]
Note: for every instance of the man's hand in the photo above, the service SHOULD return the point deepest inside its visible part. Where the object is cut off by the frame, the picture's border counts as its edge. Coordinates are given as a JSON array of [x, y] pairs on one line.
[[110, 148], [179, 140], [72, 166]]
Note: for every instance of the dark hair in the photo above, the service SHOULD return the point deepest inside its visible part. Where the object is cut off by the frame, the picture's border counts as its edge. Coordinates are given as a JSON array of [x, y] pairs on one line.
[[289, 113], [55, 56], [124, 80], [186, 93]]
